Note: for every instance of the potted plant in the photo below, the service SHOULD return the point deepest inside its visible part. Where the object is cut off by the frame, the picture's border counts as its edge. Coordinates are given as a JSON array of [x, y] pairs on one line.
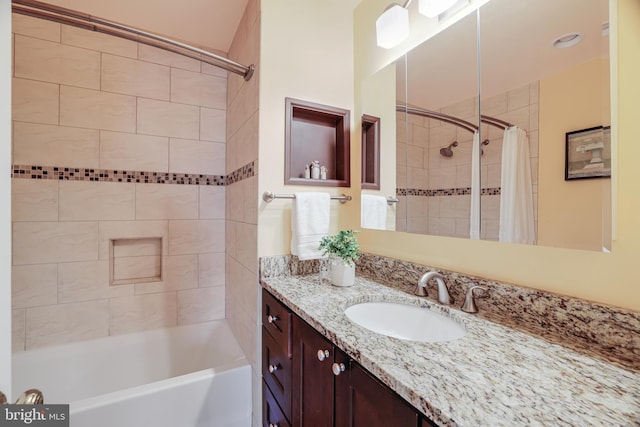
[[343, 250]]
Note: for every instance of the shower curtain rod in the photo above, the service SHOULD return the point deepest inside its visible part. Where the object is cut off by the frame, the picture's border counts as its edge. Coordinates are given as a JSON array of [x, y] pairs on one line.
[[492, 121], [82, 20]]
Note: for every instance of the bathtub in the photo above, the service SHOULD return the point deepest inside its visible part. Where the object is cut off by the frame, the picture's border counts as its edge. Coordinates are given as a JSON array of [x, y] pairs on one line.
[[185, 376]]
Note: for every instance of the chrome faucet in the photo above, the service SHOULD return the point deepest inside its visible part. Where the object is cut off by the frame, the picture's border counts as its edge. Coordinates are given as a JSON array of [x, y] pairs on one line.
[[443, 292], [469, 303]]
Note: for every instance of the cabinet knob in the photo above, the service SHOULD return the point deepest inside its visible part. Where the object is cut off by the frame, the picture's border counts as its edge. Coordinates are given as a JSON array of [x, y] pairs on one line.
[[272, 368], [272, 319], [337, 368], [323, 354]]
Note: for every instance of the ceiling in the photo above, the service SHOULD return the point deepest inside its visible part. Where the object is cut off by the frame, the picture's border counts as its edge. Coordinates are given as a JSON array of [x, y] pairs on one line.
[[208, 24]]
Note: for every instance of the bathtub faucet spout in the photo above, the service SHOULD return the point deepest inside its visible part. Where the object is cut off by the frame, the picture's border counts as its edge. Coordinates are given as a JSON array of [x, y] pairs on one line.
[[31, 397]]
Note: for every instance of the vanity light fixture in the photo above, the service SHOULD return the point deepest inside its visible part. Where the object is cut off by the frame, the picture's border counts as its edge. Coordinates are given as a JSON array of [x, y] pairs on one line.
[[392, 27], [567, 40], [433, 8]]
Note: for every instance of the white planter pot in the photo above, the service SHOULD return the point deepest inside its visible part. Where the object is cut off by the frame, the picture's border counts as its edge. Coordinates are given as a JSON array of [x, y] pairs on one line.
[[341, 273]]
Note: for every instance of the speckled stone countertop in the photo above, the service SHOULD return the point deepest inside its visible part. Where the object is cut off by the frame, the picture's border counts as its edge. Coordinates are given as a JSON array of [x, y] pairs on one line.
[[493, 376]]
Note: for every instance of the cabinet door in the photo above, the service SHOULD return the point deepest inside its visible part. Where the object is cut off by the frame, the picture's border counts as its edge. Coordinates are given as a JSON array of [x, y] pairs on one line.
[[272, 415], [312, 377], [366, 402], [276, 371]]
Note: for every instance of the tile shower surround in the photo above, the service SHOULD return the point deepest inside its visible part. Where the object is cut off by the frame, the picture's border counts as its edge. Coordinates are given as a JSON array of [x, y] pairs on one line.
[[596, 330]]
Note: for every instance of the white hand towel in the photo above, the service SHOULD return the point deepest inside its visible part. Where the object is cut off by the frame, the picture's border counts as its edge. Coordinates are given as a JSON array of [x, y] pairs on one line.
[[373, 212], [310, 215]]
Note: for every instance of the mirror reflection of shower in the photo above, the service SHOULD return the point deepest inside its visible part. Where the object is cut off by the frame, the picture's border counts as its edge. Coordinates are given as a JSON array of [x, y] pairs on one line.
[[448, 152]]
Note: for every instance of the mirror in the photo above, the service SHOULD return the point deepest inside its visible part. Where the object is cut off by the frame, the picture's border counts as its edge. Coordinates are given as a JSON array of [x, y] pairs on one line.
[[547, 92]]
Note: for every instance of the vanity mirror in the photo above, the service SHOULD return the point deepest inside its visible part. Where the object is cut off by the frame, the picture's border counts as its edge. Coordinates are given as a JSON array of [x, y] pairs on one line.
[[501, 64]]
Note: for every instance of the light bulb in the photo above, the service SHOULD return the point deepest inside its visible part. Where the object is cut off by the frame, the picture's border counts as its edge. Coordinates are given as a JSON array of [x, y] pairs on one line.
[[392, 27], [433, 8]]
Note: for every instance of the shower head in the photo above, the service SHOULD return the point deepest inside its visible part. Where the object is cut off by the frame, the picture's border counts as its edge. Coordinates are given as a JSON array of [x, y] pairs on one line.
[[447, 151]]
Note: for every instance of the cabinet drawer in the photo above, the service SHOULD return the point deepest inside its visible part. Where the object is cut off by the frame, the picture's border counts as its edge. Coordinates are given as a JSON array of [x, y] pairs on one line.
[[276, 319], [272, 415], [276, 371]]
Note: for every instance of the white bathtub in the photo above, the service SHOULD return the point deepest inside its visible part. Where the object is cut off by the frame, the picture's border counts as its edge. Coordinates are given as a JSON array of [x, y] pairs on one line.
[[185, 376]]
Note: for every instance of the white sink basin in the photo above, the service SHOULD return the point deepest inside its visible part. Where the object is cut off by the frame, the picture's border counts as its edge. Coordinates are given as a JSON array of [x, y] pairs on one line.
[[406, 322]]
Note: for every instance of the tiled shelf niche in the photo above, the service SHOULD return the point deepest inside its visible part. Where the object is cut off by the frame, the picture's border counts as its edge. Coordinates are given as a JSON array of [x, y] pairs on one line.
[[317, 132], [137, 260]]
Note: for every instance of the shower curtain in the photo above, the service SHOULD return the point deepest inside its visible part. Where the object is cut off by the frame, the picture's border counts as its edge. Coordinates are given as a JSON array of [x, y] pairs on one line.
[[516, 196], [474, 229]]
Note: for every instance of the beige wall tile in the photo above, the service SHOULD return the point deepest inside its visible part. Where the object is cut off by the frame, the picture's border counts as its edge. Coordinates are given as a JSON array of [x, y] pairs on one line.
[[88, 200], [132, 230], [49, 242], [247, 137], [63, 323], [52, 62], [34, 200], [180, 272], [200, 305], [97, 41], [136, 269], [132, 77], [34, 285], [35, 101], [97, 110], [198, 89], [18, 332], [160, 56], [142, 312], [193, 237], [519, 97], [34, 27], [211, 202], [84, 281], [247, 249], [213, 70], [166, 201], [211, 270], [200, 157], [128, 151], [168, 119], [212, 124], [47, 145]]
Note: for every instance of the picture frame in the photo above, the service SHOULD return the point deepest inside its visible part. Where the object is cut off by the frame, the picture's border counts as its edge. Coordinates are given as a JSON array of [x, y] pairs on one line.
[[588, 153]]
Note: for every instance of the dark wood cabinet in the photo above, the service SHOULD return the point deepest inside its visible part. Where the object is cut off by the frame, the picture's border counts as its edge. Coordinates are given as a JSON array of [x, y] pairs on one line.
[[310, 382], [364, 401], [312, 376]]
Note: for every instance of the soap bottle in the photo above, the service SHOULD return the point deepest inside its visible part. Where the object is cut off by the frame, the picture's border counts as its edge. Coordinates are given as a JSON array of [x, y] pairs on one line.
[[315, 169], [307, 172]]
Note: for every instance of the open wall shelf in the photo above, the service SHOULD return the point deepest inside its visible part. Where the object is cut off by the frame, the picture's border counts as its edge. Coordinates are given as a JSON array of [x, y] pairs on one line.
[[316, 132]]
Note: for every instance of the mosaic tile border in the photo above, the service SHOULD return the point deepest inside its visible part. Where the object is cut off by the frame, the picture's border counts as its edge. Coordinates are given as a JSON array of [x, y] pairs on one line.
[[463, 191], [142, 177]]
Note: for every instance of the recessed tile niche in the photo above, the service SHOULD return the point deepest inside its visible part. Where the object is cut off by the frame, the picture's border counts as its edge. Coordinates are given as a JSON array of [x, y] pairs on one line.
[[135, 260], [316, 132]]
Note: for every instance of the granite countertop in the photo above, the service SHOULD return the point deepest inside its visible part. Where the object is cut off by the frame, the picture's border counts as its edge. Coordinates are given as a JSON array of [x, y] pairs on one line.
[[493, 376]]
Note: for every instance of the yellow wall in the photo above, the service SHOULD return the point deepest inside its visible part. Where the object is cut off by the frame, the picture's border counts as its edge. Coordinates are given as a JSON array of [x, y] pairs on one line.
[[609, 278], [570, 211], [306, 53]]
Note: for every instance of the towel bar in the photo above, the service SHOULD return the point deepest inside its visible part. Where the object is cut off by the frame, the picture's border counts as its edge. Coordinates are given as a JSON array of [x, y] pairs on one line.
[[268, 197], [392, 200]]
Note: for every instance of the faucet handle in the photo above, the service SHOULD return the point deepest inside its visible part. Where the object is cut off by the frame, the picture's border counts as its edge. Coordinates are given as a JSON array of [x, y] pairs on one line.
[[469, 303]]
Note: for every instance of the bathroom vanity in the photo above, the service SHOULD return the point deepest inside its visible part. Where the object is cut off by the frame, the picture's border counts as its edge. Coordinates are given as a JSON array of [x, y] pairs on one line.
[[318, 365], [308, 380]]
